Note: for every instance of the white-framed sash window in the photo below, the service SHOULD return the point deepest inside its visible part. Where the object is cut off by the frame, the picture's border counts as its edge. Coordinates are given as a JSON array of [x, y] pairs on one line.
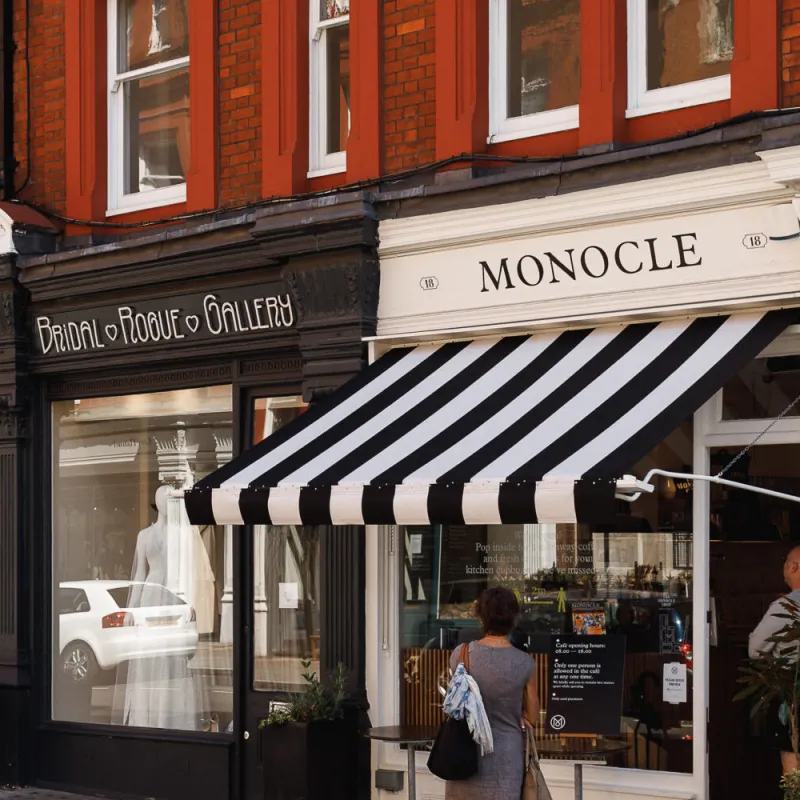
[[329, 94], [534, 63], [679, 54], [148, 103]]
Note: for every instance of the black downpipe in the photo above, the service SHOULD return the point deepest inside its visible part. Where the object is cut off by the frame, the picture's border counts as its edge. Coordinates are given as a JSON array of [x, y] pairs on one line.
[[7, 48]]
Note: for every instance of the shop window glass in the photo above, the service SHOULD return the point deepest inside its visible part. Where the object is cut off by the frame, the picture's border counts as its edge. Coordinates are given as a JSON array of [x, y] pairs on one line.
[[286, 601], [765, 388], [535, 66], [142, 611], [148, 102], [632, 578], [688, 41]]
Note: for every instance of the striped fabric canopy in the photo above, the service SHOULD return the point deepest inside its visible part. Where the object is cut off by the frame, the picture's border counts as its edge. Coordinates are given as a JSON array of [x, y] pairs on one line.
[[520, 429]]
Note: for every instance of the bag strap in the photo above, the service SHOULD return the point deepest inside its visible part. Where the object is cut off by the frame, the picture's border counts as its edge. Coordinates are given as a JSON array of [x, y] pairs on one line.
[[463, 657], [531, 754]]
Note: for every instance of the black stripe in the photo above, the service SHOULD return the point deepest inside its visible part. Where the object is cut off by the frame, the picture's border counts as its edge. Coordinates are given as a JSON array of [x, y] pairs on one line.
[[254, 506], [445, 504], [377, 505], [198, 506], [316, 411], [488, 407], [517, 503], [315, 505], [619, 403], [647, 437], [335, 433], [627, 339], [595, 502], [429, 404]]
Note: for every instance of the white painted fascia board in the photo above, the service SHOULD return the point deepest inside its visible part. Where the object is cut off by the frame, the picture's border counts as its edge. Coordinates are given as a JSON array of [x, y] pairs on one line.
[[742, 294], [783, 165], [740, 185]]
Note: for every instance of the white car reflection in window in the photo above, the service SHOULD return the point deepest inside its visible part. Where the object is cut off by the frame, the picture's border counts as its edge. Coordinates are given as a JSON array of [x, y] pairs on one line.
[[98, 630]]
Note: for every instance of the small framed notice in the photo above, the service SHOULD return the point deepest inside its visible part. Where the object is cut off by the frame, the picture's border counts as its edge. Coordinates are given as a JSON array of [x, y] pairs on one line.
[[288, 596]]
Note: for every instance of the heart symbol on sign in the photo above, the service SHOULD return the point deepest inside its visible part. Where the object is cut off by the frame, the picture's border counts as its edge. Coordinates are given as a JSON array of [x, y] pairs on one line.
[[112, 331], [192, 322]]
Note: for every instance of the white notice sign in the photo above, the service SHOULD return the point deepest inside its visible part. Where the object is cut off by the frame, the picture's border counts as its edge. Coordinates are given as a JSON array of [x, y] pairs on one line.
[[287, 595], [675, 683], [415, 544]]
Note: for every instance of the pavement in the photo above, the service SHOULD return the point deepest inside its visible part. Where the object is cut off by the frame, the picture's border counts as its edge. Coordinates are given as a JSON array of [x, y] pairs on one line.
[[30, 793]]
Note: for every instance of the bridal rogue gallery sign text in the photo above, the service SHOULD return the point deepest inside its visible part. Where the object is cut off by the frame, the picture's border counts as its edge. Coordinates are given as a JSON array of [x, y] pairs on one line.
[[226, 313]]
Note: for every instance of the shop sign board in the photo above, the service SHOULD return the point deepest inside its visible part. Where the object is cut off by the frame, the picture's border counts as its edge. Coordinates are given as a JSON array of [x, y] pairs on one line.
[[585, 675], [173, 320], [647, 265]]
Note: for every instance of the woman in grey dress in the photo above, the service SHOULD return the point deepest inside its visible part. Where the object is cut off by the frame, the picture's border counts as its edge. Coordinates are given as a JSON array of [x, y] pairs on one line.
[[506, 678]]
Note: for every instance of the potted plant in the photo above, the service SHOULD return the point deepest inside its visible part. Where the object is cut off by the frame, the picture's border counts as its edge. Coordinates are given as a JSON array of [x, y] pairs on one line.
[[775, 677], [308, 747]]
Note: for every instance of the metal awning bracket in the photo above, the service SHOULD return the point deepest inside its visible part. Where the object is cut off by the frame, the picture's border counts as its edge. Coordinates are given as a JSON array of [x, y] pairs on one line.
[[629, 493]]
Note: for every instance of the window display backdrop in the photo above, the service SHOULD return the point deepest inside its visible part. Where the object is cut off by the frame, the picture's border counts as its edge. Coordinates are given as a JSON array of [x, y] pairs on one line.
[[631, 579], [143, 601]]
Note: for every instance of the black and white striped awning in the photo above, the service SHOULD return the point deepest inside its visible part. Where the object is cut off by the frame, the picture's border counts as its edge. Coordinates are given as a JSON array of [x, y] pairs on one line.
[[515, 429]]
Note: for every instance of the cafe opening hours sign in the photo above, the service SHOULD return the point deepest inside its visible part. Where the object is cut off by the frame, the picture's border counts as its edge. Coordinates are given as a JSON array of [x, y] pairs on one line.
[[585, 684], [239, 311]]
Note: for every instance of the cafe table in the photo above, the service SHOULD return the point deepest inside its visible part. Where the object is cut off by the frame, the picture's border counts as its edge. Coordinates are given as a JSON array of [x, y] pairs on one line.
[[412, 736], [581, 747]]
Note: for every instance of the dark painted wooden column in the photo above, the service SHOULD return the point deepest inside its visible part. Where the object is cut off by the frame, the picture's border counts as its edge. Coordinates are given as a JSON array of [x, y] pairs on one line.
[[15, 696]]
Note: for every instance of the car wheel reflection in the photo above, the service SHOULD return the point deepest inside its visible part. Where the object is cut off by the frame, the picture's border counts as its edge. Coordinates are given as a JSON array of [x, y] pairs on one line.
[[79, 663]]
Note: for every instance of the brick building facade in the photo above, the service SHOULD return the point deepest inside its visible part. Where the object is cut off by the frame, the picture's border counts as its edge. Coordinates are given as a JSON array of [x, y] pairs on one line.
[[198, 243]]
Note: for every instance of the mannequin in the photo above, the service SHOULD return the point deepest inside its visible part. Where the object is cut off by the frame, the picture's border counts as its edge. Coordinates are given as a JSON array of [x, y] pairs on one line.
[[163, 691]]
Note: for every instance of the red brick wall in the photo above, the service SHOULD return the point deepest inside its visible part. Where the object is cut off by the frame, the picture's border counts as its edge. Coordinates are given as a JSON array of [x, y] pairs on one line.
[[47, 182], [790, 53], [409, 94], [240, 100]]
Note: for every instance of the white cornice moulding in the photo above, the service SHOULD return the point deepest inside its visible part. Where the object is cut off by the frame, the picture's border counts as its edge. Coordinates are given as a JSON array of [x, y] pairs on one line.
[[741, 185], [783, 165]]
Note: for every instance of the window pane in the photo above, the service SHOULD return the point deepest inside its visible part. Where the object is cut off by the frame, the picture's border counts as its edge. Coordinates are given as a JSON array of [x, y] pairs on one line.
[[286, 601], [337, 74], [152, 31], [688, 41], [632, 578], [142, 599], [330, 9], [544, 59], [765, 388], [157, 120]]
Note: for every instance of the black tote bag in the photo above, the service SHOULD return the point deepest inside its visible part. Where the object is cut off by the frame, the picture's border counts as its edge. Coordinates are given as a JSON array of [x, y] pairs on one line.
[[454, 755]]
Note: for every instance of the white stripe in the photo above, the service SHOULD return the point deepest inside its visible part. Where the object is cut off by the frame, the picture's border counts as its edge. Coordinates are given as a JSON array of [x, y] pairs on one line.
[[496, 424], [284, 506], [346, 505], [402, 405], [555, 501], [481, 504], [411, 505], [584, 402], [451, 412], [350, 406], [225, 507], [715, 348]]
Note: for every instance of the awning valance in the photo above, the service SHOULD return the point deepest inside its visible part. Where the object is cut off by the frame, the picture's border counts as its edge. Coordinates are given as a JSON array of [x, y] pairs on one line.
[[514, 429]]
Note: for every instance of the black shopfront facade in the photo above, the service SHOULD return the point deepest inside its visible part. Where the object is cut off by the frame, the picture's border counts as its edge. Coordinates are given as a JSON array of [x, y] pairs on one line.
[[137, 651]]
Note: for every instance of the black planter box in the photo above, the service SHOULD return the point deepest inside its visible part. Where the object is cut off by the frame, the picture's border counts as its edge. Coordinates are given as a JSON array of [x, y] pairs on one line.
[[310, 761]]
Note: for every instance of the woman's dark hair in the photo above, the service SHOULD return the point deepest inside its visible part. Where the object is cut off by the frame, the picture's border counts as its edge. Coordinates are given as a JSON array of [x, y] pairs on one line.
[[497, 609]]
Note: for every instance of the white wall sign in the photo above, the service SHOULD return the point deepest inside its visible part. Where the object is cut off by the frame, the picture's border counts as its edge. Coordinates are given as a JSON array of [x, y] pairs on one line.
[[555, 259], [288, 595], [674, 683]]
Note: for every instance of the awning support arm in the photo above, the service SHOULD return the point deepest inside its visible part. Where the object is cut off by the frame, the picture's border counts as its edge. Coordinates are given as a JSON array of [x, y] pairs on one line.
[[626, 486]]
